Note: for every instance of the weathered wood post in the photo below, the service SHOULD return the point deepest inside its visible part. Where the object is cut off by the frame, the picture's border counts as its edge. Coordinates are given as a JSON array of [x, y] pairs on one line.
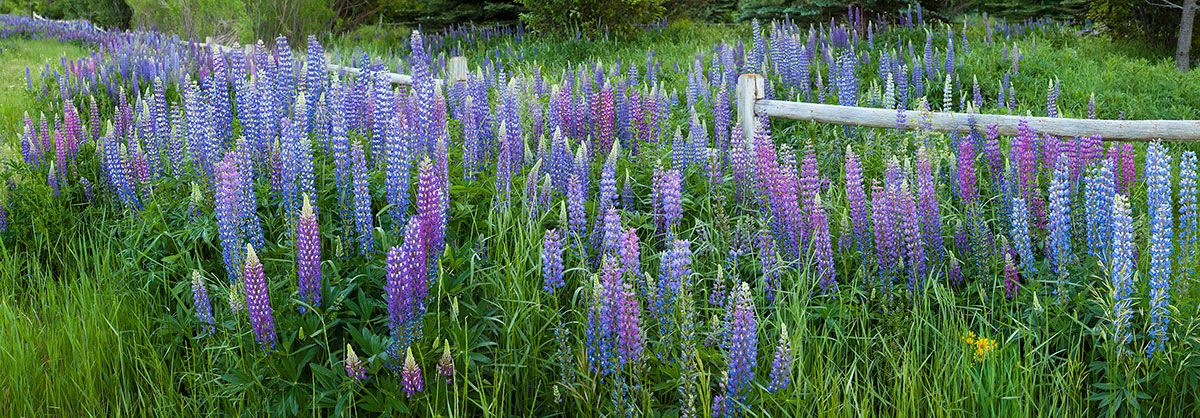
[[457, 69], [750, 88]]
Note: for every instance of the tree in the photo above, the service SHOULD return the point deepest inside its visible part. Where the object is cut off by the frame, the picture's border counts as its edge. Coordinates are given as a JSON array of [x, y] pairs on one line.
[[1183, 45]]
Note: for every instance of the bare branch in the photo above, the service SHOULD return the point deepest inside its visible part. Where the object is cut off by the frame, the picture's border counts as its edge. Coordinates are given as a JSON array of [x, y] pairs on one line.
[[1164, 3]]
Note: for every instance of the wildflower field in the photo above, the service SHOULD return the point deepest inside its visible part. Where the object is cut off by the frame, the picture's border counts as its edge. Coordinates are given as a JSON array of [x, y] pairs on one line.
[[581, 227]]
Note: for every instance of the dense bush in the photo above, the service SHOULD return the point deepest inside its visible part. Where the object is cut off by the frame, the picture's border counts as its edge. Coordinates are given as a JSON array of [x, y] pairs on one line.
[[591, 15], [110, 13], [222, 19]]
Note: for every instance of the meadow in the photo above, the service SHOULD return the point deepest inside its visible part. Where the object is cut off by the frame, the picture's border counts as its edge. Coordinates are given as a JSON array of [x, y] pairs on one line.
[[581, 229]]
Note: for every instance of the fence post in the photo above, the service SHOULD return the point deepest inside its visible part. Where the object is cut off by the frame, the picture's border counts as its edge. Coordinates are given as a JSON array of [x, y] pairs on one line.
[[457, 69], [750, 88]]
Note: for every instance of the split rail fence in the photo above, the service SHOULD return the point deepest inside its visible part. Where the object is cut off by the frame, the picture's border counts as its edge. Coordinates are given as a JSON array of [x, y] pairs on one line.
[[751, 100]]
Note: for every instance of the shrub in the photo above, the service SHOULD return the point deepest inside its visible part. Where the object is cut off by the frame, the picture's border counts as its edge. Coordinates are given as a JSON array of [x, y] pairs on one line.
[[108, 13], [590, 15]]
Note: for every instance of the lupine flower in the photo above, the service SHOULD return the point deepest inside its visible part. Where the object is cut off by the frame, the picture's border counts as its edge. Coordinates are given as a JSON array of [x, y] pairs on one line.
[[628, 325], [1158, 196], [308, 256], [1098, 194], [362, 201], [741, 349], [1020, 228], [768, 258], [445, 367], [201, 303], [602, 318], [228, 213], [857, 199], [410, 375], [398, 169], [354, 367], [909, 222], [671, 204], [1188, 220], [955, 273], [1120, 272], [631, 253], [781, 367], [928, 208], [431, 208], [1060, 223], [405, 289], [552, 267], [258, 301], [1011, 281], [823, 253]]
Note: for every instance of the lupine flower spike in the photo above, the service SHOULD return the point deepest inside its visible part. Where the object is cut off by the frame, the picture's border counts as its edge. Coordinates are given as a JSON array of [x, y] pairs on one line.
[[354, 367]]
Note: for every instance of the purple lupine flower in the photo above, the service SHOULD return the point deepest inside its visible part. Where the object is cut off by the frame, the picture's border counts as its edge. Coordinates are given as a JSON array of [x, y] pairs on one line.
[[445, 366], [823, 253], [1059, 250], [406, 287], [629, 338], [228, 213], [910, 227], [410, 376], [671, 204], [552, 263], [1121, 271], [610, 232], [631, 253], [741, 349], [362, 201], [354, 367], [201, 303], [928, 208], [781, 367], [955, 273], [308, 256], [258, 301], [857, 200], [810, 189], [431, 209], [995, 159], [1012, 282]]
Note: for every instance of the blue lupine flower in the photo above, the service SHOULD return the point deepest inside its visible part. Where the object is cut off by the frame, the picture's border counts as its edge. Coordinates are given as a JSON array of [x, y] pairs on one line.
[[1098, 196], [1020, 231], [1060, 222], [1158, 195], [1121, 271], [741, 349], [1187, 213]]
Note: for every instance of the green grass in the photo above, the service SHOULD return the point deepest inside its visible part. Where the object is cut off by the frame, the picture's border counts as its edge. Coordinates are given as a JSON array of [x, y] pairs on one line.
[[19, 54]]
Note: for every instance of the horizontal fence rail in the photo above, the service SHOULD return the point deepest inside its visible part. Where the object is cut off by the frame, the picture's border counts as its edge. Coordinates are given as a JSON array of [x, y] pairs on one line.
[[457, 66], [750, 101]]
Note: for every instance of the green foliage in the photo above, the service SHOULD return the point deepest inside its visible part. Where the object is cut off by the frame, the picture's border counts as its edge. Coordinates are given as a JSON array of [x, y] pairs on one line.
[[225, 20], [1158, 26], [108, 13], [591, 16], [432, 14], [295, 19]]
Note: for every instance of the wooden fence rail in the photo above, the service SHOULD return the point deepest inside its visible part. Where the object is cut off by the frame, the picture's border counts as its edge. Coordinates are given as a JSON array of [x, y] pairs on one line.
[[750, 98]]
